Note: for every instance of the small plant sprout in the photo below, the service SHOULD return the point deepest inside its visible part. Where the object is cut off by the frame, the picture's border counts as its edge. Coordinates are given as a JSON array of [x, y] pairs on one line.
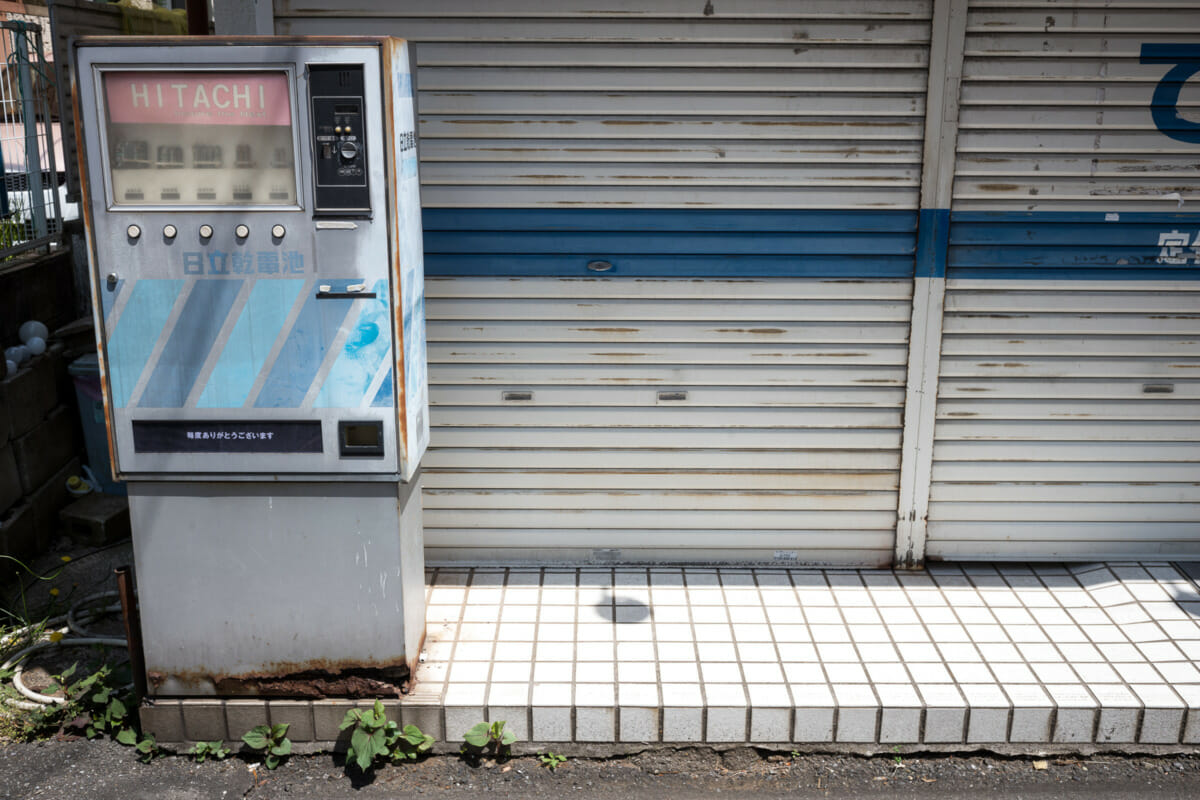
[[369, 739], [214, 750], [375, 736], [147, 748], [551, 760], [271, 741], [408, 742], [494, 737], [897, 759]]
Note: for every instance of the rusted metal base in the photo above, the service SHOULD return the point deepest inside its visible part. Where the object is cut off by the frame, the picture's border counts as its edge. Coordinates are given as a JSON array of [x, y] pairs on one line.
[[317, 685], [314, 684]]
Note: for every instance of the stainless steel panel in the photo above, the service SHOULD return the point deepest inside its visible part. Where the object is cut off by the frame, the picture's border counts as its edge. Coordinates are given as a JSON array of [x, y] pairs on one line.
[[247, 586]]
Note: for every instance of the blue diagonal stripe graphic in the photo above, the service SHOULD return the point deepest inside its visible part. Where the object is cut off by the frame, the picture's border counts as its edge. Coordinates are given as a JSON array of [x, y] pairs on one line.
[[137, 331], [299, 361], [195, 332], [250, 343], [383, 398]]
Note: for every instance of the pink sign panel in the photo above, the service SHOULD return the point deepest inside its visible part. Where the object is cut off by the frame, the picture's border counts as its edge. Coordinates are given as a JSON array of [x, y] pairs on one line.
[[198, 98]]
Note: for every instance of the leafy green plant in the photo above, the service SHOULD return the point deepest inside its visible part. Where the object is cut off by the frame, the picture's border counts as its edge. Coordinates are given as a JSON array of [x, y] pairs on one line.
[[375, 736], [100, 696], [407, 743], [215, 750], [495, 737], [147, 746], [551, 761], [369, 739], [271, 741], [12, 226], [102, 699]]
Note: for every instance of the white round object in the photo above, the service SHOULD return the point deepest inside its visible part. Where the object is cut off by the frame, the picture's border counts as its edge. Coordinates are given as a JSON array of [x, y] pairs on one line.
[[12, 366], [32, 328], [241, 231], [36, 345], [206, 231], [278, 231], [18, 353], [170, 231], [133, 231]]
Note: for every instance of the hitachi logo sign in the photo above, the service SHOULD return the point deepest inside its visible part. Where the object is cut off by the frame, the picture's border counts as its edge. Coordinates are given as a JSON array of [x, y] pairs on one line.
[[198, 96]]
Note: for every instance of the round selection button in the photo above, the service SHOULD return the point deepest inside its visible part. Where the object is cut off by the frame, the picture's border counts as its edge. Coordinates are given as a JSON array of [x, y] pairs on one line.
[[170, 231], [206, 231], [133, 231], [241, 231], [277, 231]]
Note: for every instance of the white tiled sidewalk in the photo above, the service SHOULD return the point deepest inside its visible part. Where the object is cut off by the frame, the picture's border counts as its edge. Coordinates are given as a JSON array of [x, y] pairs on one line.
[[959, 654]]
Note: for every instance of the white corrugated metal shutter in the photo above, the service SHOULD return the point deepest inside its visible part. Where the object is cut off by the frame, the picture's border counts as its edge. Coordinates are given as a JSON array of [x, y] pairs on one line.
[[787, 439], [1068, 419], [783, 341]]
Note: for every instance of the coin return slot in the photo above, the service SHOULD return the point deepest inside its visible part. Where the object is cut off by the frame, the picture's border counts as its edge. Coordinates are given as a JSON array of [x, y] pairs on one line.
[[360, 439], [1158, 388], [516, 397]]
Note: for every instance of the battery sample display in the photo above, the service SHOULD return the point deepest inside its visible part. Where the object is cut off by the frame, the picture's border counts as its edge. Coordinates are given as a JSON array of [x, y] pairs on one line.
[[180, 138]]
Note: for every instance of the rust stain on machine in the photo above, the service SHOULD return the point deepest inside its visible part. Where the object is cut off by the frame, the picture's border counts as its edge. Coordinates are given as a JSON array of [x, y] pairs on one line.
[[261, 338], [312, 680]]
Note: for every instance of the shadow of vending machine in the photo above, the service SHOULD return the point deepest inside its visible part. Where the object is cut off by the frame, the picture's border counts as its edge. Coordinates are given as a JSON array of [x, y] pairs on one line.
[[254, 226]]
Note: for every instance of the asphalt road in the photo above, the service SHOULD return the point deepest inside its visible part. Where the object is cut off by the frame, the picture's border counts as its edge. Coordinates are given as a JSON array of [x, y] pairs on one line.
[[106, 771]]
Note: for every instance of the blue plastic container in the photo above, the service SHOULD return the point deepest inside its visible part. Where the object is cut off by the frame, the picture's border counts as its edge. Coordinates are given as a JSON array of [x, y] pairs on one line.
[[85, 372]]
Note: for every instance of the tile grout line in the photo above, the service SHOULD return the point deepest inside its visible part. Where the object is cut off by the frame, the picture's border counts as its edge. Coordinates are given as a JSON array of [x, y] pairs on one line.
[[1187, 710], [837, 709], [612, 624], [1093, 734], [574, 655], [934, 643], [1169, 685], [791, 716], [458, 632], [1041, 684], [922, 719], [1024, 660], [658, 682], [737, 656], [861, 661], [660, 688], [966, 732], [533, 655], [1102, 608], [1098, 608], [696, 651], [837, 605]]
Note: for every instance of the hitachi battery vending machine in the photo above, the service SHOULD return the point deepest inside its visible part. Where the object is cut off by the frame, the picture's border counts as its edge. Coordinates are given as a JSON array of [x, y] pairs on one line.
[[255, 240]]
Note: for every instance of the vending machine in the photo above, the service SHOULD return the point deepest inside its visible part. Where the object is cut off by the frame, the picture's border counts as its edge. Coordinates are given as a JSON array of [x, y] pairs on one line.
[[254, 231]]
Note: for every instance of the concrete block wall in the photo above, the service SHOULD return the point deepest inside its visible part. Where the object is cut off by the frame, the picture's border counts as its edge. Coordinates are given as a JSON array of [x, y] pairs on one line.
[[40, 442], [39, 450]]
